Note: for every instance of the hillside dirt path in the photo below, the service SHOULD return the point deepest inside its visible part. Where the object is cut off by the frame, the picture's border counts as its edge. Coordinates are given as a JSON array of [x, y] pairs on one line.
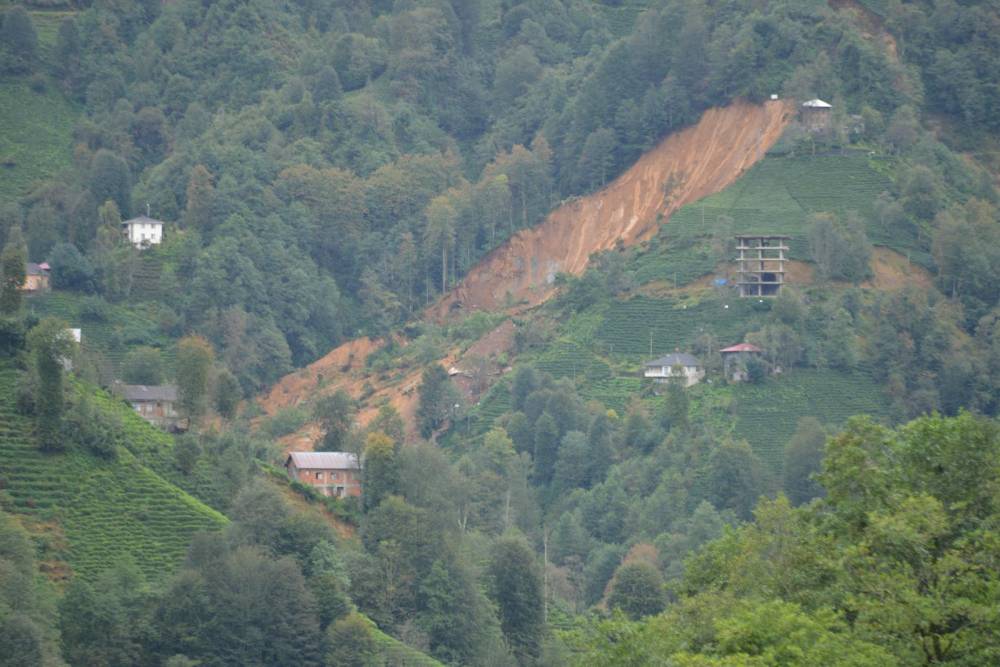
[[684, 167]]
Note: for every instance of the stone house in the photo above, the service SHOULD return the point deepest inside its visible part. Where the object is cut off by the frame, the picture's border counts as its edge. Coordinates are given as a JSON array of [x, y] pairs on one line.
[[36, 277], [676, 366], [735, 358], [816, 115], [336, 474], [156, 404]]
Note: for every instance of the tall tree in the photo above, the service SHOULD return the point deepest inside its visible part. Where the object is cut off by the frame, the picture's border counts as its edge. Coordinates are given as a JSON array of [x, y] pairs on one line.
[[18, 37], [381, 470], [336, 416], [194, 361], [637, 589], [440, 233], [12, 272], [515, 584], [50, 344], [110, 178], [200, 197], [803, 458], [437, 397]]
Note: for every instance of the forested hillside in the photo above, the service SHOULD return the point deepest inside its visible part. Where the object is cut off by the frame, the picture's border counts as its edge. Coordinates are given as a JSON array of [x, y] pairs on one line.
[[448, 236]]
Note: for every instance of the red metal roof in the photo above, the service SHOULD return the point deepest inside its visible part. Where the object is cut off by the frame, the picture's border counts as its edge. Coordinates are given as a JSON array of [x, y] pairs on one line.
[[742, 347]]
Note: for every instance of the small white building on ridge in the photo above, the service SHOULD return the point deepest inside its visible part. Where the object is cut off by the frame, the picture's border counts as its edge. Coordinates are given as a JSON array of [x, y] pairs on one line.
[[143, 231]]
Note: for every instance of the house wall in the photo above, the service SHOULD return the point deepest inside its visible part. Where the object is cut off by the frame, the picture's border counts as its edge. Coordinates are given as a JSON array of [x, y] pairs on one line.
[[35, 283], [691, 374], [734, 364], [156, 412], [331, 480], [816, 119], [140, 234]]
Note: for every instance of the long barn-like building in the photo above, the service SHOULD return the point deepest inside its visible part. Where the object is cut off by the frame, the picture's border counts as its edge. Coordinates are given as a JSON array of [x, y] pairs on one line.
[[336, 474]]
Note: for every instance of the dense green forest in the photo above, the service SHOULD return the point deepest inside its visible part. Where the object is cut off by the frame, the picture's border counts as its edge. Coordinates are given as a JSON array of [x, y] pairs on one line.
[[326, 170]]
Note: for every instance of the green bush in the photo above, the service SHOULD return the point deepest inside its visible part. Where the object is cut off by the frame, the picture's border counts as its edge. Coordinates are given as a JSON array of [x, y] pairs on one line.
[[284, 422], [94, 309]]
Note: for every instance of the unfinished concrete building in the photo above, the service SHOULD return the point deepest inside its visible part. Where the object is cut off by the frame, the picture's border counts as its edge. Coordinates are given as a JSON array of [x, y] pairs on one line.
[[761, 264]]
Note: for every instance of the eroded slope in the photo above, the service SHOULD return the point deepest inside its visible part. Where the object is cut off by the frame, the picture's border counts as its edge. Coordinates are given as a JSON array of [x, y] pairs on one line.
[[683, 168]]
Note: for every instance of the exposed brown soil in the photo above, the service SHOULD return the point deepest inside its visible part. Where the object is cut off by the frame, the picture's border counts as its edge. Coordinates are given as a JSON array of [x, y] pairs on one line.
[[683, 168], [894, 271], [479, 367], [343, 368], [870, 23]]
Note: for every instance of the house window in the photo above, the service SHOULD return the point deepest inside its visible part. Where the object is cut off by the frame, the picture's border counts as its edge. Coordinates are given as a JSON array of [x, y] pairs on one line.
[[319, 475], [334, 475]]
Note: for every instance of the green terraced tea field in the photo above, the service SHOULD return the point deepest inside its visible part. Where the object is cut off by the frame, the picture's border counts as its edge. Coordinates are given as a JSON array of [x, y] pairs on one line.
[[121, 329], [766, 414], [629, 325], [106, 510], [776, 197], [35, 136]]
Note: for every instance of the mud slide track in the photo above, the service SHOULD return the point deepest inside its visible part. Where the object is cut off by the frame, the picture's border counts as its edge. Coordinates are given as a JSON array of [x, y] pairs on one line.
[[683, 168], [690, 164]]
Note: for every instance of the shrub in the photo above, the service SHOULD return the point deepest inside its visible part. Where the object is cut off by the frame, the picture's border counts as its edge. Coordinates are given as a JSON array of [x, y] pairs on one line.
[[284, 422], [70, 269], [95, 430], [94, 309], [187, 451], [143, 365], [37, 83]]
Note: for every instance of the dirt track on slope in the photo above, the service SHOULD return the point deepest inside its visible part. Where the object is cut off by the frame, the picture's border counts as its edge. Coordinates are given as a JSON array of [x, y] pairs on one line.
[[683, 168]]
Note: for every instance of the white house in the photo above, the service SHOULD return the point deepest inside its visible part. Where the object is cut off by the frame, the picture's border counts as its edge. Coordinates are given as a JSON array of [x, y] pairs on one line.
[[678, 365], [143, 231]]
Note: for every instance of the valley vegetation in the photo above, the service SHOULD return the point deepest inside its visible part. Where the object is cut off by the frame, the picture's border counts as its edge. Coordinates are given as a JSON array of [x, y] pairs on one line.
[[328, 170]]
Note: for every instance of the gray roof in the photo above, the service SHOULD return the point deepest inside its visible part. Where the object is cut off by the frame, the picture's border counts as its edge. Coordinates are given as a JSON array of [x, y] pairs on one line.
[[674, 359], [324, 460], [141, 392], [817, 103], [33, 269], [143, 220]]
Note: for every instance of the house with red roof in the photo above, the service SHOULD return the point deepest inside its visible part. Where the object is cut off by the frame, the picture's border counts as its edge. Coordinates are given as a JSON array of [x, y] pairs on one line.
[[36, 277], [735, 358]]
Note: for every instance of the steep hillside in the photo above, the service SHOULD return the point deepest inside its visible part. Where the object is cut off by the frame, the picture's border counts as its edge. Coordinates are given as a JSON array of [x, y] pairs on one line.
[[685, 167], [36, 124], [93, 512]]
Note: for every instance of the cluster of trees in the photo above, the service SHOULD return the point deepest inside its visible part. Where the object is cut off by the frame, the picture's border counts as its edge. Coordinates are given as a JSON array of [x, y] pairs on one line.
[[889, 568], [300, 213]]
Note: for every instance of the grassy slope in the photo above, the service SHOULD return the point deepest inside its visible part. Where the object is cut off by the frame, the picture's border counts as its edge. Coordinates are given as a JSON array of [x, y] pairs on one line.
[[35, 135], [603, 346], [766, 415], [102, 510], [124, 328], [776, 196]]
